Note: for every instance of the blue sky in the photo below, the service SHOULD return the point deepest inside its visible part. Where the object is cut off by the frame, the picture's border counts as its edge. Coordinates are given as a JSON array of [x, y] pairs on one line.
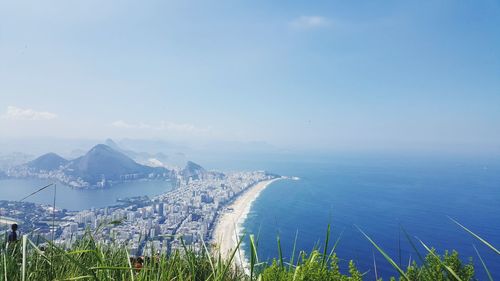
[[328, 75]]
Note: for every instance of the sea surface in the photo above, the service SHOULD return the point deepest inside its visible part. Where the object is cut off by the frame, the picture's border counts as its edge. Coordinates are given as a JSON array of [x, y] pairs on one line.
[[379, 195], [78, 199]]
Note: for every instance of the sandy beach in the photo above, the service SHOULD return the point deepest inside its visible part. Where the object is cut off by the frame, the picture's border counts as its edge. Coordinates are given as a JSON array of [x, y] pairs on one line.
[[228, 227]]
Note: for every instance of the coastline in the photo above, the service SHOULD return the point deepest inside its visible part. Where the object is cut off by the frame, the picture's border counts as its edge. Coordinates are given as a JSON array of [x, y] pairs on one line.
[[228, 227]]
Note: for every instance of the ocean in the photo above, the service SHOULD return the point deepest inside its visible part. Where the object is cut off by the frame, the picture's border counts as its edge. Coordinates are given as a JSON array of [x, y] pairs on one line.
[[379, 195]]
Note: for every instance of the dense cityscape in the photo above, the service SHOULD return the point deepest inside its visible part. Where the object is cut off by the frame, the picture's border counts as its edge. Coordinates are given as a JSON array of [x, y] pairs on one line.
[[143, 224]]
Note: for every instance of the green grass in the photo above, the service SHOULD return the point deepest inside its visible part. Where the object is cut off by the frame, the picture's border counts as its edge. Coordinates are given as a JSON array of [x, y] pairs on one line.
[[90, 260]]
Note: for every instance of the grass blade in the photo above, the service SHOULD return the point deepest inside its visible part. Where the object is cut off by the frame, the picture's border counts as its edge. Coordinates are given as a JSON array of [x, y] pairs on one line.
[[5, 265], [280, 252], [375, 266], [335, 246], [386, 256], [113, 268], [253, 256], [25, 238], [420, 257], [484, 265], [208, 256], [326, 246], [293, 251], [228, 264], [78, 278], [399, 246], [476, 236], [130, 265], [39, 252]]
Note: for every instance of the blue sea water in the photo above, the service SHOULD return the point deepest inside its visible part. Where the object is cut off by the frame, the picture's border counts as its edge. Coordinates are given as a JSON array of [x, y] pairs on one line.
[[379, 195]]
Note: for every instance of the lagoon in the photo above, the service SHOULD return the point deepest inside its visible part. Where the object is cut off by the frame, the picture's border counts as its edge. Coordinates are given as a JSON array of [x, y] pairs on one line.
[[79, 199]]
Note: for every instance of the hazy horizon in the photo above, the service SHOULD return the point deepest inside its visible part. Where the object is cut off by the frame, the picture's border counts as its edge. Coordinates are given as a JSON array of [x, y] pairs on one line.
[[327, 76], [281, 119]]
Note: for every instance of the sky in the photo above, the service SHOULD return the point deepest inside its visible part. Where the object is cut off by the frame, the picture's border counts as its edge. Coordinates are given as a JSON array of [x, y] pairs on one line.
[[323, 75]]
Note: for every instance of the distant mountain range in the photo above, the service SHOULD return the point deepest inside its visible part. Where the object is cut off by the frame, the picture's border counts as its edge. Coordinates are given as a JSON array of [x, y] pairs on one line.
[[101, 166]]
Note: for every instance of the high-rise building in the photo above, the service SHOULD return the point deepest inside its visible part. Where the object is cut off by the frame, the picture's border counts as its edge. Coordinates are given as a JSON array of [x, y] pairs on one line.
[[159, 208]]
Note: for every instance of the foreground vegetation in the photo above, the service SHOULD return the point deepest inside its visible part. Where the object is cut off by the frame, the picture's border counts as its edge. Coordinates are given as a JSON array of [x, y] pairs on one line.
[[89, 260]]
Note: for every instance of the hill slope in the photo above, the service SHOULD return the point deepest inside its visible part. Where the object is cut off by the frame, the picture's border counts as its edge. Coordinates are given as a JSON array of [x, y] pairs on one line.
[[47, 162], [103, 162], [192, 170]]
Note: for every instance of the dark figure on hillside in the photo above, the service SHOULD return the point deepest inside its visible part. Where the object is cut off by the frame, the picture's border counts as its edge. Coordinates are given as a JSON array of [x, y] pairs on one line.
[[13, 233]]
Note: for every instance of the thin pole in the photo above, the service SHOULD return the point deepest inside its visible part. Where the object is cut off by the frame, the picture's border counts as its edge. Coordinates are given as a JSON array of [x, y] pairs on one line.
[[25, 241], [33, 193], [53, 229], [54, 213], [1, 223], [25, 237]]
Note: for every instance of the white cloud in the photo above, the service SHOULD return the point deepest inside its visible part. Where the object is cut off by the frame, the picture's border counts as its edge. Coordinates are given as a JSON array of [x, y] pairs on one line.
[[310, 22], [162, 126], [16, 113], [120, 124]]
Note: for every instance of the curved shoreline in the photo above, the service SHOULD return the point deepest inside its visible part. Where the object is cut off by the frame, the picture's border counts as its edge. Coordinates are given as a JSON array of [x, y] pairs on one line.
[[228, 228]]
